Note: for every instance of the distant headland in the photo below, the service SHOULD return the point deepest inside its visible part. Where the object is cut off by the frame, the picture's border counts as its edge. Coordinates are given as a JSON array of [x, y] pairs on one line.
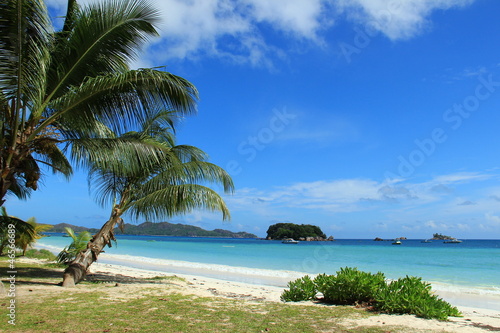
[[161, 229]]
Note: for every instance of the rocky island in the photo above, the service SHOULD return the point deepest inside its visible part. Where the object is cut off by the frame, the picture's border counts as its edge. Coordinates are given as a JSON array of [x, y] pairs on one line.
[[302, 232]]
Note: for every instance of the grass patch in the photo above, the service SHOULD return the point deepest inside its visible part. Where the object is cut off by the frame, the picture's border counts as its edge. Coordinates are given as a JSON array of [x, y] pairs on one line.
[[171, 278], [41, 254], [42, 306], [89, 311]]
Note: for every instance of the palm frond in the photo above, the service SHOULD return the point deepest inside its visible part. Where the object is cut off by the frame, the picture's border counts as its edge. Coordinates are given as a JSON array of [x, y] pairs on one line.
[[47, 151], [123, 156], [104, 37], [21, 228], [178, 199], [194, 172], [25, 45], [118, 100]]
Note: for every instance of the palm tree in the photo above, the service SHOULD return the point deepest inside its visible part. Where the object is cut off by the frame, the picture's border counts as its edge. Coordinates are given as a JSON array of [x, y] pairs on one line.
[[13, 225], [172, 182], [26, 240], [78, 244], [59, 86]]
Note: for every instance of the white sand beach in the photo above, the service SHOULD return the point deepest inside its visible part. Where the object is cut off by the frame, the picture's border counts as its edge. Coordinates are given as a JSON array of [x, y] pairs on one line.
[[473, 320]]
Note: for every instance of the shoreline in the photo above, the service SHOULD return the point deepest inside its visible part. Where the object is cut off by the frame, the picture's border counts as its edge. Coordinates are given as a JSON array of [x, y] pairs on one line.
[[457, 295], [473, 320]]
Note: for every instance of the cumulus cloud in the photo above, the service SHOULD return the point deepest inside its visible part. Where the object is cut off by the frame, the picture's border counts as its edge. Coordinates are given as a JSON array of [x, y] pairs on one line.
[[302, 18], [239, 29], [398, 19], [233, 29]]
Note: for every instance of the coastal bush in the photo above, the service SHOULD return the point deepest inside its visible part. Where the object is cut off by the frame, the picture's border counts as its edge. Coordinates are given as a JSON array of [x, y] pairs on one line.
[[411, 295], [41, 254], [350, 286], [302, 289], [408, 295]]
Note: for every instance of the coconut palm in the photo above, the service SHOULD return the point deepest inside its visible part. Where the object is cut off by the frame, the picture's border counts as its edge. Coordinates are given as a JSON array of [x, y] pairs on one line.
[[174, 181], [78, 244], [25, 240], [11, 224], [57, 86]]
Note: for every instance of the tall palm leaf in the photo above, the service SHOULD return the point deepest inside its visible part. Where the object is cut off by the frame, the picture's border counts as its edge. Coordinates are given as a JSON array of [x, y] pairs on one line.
[[26, 240], [19, 227], [173, 180], [56, 87]]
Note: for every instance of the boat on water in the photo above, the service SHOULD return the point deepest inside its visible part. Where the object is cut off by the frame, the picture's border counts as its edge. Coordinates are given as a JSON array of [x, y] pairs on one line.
[[451, 241], [289, 241], [397, 242], [426, 241]]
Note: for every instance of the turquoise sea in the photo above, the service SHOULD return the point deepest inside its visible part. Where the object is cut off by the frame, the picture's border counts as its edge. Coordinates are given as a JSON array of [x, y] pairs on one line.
[[470, 268]]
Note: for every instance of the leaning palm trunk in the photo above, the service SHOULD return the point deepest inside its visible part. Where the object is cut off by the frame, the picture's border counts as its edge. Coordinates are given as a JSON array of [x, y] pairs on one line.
[[77, 269]]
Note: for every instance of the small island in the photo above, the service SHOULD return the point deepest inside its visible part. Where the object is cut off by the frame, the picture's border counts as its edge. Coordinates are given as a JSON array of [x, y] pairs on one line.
[[437, 236], [302, 232]]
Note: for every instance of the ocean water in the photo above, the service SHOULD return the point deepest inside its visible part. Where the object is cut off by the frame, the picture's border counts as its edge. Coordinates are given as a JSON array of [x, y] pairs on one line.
[[471, 263], [471, 267]]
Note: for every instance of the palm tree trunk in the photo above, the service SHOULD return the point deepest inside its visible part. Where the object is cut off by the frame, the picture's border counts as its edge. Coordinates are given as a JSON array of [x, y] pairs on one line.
[[77, 269]]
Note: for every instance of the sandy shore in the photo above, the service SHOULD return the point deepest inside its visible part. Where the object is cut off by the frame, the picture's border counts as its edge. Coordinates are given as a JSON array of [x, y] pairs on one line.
[[474, 319]]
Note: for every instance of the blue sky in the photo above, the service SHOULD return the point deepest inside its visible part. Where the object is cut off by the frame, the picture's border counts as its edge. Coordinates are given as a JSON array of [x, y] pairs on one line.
[[368, 118]]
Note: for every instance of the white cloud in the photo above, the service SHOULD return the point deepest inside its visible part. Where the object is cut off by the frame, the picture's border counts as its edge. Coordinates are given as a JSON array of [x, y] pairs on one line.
[[461, 177], [302, 18], [229, 29], [397, 19], [493, 219], [350, 195], [234, 29]]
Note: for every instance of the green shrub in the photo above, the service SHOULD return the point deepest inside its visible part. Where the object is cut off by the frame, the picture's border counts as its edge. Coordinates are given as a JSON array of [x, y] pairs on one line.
[[410, 295], [350, 286], [41, 254], [302, 289]]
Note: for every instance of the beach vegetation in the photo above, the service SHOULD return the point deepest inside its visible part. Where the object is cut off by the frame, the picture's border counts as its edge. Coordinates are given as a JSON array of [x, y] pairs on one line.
[[302, 289], [411, 295], [78, 244], [408, 295], [350, 286], [28, 239], [41, 254], [158, 307]]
